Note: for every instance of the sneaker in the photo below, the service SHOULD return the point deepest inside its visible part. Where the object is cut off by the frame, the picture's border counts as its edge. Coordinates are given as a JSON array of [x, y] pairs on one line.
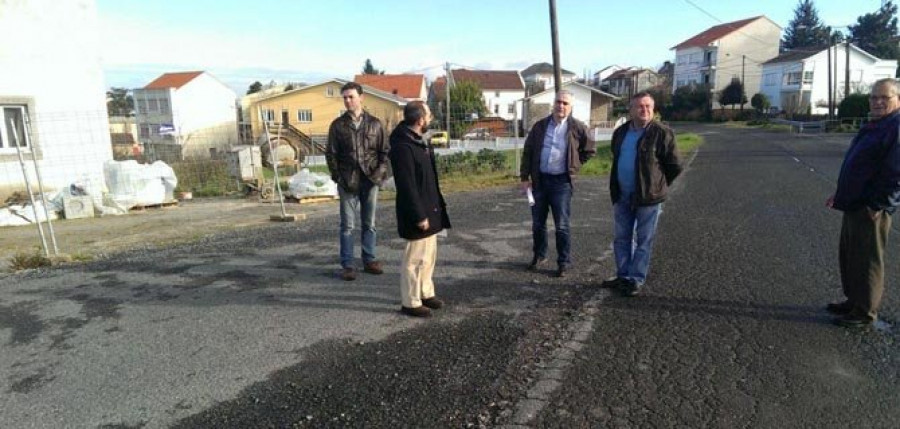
[[630, 288], [348, 274], [373, 267], [433, 303], [536, 263], [854, 322], [561, 271], [420, 311], [839, 308]]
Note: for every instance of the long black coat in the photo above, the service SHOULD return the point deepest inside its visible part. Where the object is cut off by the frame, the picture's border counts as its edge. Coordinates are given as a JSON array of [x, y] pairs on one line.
[[418, 191]]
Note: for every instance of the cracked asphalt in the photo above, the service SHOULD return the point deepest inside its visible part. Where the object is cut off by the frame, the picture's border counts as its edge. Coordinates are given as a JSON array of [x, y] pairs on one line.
[[253, 329]]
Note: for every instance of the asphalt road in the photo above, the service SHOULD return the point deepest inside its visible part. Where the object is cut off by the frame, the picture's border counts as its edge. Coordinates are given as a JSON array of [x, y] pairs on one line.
[[253, 329]]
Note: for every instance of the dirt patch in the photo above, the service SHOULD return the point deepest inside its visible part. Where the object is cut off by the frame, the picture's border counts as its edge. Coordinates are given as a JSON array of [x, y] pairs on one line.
[[185, 222]]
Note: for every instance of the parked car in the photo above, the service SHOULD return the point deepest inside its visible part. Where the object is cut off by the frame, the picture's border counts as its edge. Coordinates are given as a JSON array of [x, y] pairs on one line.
[[477, 134], [440, 139]]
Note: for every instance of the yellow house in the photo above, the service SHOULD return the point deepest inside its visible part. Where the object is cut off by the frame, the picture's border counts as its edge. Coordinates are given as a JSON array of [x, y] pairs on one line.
[[302, 116]]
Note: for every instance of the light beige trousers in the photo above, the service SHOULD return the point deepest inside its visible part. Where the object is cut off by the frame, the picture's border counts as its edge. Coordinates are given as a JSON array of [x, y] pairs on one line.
[[418, 267]]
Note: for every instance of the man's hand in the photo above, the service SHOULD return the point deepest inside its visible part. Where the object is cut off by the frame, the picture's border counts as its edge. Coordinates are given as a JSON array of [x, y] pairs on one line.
[[873, 214], [830, 202], [525, 185], [423, 225]]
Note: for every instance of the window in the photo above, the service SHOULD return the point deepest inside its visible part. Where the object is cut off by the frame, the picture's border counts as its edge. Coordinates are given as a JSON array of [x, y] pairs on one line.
[[153, 105], [807, 77], [142, 106], [145, 132], [681, 60], [269, 115], [770, 79], [163, 105], [304, 115], [12, 132], [792, 78], [496, 109], [497, 94], [512, 108], [329, 91]]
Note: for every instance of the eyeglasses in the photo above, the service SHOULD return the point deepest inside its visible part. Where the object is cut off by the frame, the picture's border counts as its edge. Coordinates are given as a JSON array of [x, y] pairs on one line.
[[564, 103], [883, 98]]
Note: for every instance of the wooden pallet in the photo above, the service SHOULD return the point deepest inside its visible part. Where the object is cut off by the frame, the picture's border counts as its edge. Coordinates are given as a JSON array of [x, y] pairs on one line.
[[167, 204], [317, 199]]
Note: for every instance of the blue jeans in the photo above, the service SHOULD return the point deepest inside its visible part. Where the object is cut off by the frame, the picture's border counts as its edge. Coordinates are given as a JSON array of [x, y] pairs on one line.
[[553, 192], [364, 201], [635, 231]]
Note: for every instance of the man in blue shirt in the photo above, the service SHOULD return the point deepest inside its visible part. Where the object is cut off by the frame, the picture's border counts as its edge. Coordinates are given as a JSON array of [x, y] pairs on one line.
[[554, 151], [645, 162], [868, 192]]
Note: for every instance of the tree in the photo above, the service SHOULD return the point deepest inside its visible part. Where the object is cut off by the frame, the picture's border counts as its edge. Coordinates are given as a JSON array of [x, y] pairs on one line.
[[760, 102], [368, 68], [854, 106], [119, 102], [690, 102], [254, 88], [733, 94], [805, 30], [876, 33], [466, 104]]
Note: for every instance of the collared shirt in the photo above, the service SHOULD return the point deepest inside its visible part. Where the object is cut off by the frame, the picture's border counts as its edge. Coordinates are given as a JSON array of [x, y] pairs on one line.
[[553, 152]]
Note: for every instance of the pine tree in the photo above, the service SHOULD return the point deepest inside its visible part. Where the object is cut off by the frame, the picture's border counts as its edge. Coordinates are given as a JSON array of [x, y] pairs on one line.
[[805, 30], [368, 68], [876, 33]]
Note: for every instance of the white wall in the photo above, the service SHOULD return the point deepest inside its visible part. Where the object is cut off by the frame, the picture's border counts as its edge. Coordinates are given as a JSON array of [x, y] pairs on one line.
[[581, 105], [51, 55], [688, 62], [505, 98]]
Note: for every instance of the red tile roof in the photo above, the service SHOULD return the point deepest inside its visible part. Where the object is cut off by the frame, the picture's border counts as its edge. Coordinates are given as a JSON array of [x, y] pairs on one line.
[[438, 89], [715, 33], [173, 80], [491, 79], [405, 85]]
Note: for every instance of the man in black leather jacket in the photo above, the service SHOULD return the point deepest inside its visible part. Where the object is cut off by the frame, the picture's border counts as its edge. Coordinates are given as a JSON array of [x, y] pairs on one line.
[[357, 157]]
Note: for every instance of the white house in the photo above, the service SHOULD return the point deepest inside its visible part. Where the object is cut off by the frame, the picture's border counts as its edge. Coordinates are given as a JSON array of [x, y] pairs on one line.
[[52, 93], [720, 54], [797, 82], [503, 90], [589, 105], [186, 115], [604, 73], [541, 76]]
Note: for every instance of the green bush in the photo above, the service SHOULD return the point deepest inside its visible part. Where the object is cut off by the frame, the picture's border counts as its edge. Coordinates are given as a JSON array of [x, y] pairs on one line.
[[854, 106], [204, 178], [464, 163]]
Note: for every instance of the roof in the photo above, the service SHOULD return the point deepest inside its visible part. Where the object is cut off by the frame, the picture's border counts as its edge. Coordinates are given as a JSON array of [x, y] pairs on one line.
[[627, 73], [491, 80], [173, 80], [715, 33], [405, 85], [542, 68], [368, 90], [802, 54], [595, 90], [438, 89]]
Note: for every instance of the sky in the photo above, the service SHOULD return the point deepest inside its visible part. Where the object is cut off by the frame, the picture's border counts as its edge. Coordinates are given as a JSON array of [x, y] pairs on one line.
[[241, 41]]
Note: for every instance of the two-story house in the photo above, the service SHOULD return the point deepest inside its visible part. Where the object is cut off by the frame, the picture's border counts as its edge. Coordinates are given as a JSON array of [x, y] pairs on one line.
[[722, 53], [185, 115], [408, 86], [503, 90], [797, 81], [589, 105], [52, 95], [540, 76], [602, 74], [630, 81]]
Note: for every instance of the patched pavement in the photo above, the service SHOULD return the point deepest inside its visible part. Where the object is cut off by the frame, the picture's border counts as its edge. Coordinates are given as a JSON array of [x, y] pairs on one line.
[[254, 329]]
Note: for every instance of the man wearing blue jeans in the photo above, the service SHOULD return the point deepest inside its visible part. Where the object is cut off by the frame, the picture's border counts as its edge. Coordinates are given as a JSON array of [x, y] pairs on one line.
[[645, 162], [554, 151], [357, 157]]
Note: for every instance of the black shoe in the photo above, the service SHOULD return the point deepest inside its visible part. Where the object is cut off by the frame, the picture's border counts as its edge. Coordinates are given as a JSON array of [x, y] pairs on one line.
[[536, 262], [561, 271], [854, 322], [348, 274], [630, 288], [613, 283], [839, 308], [433, 303], [420, 311]]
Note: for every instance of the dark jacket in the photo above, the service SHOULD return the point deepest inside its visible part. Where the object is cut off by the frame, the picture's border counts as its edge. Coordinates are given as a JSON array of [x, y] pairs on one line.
[[418, 191], [581, 147], [657, 164], [355, 152], [870, 173]]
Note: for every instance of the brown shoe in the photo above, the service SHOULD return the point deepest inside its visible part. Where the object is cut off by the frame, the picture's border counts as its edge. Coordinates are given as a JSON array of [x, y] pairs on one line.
[[373, 267], [433, 303], [348, 274], [420, 311]]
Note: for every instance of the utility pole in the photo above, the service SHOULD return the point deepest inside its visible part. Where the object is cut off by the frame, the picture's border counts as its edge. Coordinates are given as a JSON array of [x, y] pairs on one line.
[[847, 68], [554, 36], [447, 99], [743, 83], [830, 100]]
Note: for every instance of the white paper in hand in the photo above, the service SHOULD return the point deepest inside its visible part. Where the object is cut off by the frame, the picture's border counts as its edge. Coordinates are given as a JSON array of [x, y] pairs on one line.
[[530, 196]]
